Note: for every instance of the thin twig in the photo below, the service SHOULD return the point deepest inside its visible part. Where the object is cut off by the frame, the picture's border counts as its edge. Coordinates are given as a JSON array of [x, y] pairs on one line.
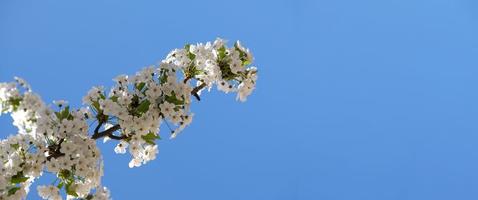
[[109, 133], [195, 91]]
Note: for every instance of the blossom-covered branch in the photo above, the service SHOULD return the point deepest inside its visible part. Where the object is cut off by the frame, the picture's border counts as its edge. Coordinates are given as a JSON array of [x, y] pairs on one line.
[[59, 140]]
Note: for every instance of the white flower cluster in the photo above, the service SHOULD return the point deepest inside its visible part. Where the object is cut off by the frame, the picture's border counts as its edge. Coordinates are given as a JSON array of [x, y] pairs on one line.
[[57, 142], [22, 106], [139, 103], [132, 111], [215, 63], [20, 166], [49, 192]]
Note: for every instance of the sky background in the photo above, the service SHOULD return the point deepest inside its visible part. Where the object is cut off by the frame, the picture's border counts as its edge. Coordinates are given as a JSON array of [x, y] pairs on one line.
[[366, 100]]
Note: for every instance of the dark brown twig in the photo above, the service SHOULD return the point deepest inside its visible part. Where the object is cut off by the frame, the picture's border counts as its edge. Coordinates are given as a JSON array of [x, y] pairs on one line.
[[54, 150], [195, 91], [108, 132]]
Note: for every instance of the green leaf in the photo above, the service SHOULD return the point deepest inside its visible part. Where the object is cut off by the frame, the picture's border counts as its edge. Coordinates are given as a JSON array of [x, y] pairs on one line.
[[96, 105], [15, 146], [172, 99], [140, 86], [58, 115], [18, 178], [190, 54], [68, 179], [64, 174], [222, 61], [242, 55], [60, 185], [70, 191], [114, 99], [150, 138], [64, 114], [15, 102], [221, 53], [143, 107], [12, 191], [163, 79]]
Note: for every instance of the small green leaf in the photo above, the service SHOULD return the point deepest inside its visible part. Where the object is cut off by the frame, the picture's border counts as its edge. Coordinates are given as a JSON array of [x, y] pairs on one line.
[[163, 79], [190, 54], [64, 174], [96, 105], [114, 99], [140, 86], [172, 99], [221, 53], [64, 114], [143, 107], [150, 138], [18, 178], [58, 115], [70, 191], [15, 102], [15, 146], [242, 55], [12, 190], [60, 185]]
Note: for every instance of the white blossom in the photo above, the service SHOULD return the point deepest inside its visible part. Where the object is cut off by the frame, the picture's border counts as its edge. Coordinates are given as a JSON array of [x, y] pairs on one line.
[[61, 141], [49, 192], [121, 147]]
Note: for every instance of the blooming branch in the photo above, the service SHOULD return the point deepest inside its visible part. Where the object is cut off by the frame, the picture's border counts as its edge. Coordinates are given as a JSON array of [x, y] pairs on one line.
[[58, 140]]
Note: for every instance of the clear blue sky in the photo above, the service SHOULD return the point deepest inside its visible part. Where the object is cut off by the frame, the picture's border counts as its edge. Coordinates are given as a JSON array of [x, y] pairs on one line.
[[367, 100]]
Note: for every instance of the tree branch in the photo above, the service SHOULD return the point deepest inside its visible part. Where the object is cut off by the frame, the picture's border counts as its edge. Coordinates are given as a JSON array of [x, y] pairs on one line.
[[187, 79], [195, 91], [54, 150], [108, 132], [97, 127]]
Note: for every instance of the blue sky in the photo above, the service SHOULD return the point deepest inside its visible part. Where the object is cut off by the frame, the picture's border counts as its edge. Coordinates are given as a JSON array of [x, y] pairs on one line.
[[360, 100]]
